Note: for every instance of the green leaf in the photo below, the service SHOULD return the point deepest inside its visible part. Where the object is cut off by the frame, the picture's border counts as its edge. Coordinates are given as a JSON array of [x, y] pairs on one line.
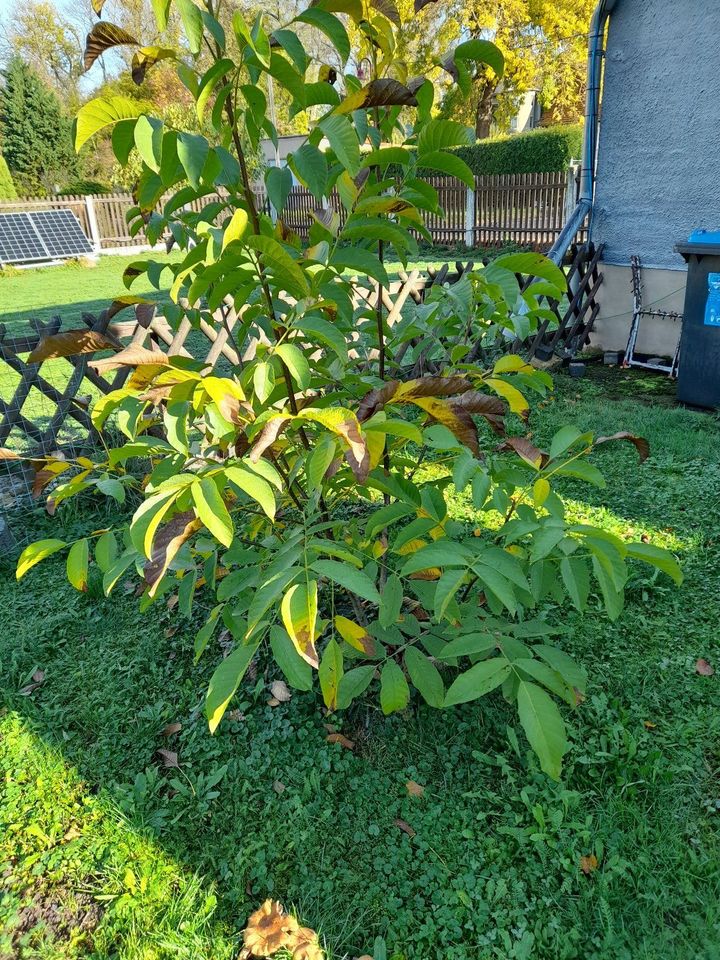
[[543, 726], [447, 587], [263, 380], [35, 553], [569, 670], [576, 577], [477, 681], [481, 51], [161, 9], [318, 462], [533, 265], [103, 112], [330, 26], [192, 151], [348, 577], [442, 553], [147, 519], [353, 683], [656, 557], [278, 183], [210, 508], [469, 645], [192, 22], [254, 486], [286, 271], [330, 673], [106, 551], [148, 141], [117, 569], [299, 609], [425, 677], [294, 359], [441, 134], [311, 168], [360, 260], [77, 565], [315, 328], [394, 690], [343, 141], [391, 601], [225, 681], [297, 672], [563, 440], [450, 164]]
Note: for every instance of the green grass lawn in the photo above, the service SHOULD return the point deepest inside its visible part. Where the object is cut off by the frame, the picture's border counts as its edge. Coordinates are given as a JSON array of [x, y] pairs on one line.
[[107, 853]]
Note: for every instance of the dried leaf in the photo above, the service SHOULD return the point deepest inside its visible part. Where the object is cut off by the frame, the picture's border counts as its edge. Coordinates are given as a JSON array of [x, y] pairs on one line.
[[272, 702], [588, 864], [132, 356], [72, 343], [38, 678], [405, 827], [101, 38], [704, 668], [280, 691], [168, 757], [170, 729], [269, 929], [527, 451], [640, 443], [649, 725], [72, 833], [278, 786], [166, 544], [341, 739], [414, 789], [6, 454]]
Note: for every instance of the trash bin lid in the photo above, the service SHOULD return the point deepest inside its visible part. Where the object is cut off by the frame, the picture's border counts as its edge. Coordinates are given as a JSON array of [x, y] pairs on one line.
[[704, 236]]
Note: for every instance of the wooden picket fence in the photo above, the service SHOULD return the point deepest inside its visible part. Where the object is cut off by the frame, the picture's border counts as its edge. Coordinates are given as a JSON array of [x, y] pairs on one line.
[[528, 209]]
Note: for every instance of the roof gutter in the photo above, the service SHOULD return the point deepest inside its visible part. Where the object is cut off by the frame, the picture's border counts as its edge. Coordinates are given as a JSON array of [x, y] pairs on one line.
[[596, 55]]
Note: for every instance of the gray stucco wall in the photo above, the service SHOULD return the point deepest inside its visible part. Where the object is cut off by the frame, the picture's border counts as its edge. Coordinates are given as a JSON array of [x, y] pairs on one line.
[[659, 150]]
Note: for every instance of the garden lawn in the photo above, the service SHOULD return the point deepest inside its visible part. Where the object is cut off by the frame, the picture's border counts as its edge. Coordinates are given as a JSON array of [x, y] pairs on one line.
[[107, 851]]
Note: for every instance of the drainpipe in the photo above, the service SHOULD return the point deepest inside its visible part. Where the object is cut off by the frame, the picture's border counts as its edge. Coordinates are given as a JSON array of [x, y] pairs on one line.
[[596, 54]]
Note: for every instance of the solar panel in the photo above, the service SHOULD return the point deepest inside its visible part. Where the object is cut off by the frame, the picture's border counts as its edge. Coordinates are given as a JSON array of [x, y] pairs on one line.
[[41, 235]]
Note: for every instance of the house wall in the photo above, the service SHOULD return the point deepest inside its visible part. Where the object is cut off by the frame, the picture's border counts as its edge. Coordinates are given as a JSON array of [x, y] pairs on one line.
[[659, 154]]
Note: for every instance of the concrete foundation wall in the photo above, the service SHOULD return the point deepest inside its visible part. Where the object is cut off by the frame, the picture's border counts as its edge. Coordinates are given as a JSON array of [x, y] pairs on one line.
[[662, 290]]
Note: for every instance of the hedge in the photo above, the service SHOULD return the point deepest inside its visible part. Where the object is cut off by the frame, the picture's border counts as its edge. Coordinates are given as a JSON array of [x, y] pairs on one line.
[[541, 151]]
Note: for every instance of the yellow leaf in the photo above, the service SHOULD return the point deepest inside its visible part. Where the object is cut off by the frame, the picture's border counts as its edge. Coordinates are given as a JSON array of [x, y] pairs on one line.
[[511, 363], [299, 609], [236, 228], [516, 401], [541, 491], [376, 446], [355, 635]]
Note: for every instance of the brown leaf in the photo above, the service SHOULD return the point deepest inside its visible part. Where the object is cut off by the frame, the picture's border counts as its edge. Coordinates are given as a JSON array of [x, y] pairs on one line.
[[267, 436], [588, 864], [341, 739], [414, 789], [6, 454], [168, 757], [280, 691], [386, 92], [132, 356], [527, 451], [640, 443], [388, 9], [168, 541], [405, 827], [269, 929], [72, 343], [278, 786], [101, 38], [170, 729], [419, 4], [38, 678], [493, 409], [147, 57], [703, 668]]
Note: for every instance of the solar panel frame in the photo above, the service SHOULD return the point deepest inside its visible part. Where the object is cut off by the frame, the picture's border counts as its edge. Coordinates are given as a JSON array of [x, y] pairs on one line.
[[34, 236]]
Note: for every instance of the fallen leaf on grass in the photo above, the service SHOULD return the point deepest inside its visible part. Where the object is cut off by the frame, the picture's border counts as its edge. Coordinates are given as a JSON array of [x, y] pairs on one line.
[[38, 678], [341, 739], [278, 786], [273, 702], [72, 834], [414, 789], [236, 715], [649, 725], [280, 691], [170, 729], [589, 864], [703, 668], [172, 602], [168, 757], [405, 827]]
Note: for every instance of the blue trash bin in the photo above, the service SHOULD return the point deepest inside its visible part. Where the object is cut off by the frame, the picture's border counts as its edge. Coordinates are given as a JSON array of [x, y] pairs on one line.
[[699, 368]]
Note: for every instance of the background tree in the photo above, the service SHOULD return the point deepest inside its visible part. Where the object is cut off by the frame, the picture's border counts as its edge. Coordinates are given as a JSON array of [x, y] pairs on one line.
[[7, 187], [545, 48], [36, 133]]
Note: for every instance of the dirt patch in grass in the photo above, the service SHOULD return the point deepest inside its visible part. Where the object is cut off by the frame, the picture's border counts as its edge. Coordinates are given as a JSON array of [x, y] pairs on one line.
[[53, 915]]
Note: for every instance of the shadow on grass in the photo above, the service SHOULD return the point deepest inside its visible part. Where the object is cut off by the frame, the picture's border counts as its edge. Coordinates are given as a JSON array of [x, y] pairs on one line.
[[18, 322]]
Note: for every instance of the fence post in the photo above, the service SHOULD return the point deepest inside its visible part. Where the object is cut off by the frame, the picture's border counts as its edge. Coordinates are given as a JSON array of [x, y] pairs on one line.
[[470, 218], [571, 191], [93, 224]]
